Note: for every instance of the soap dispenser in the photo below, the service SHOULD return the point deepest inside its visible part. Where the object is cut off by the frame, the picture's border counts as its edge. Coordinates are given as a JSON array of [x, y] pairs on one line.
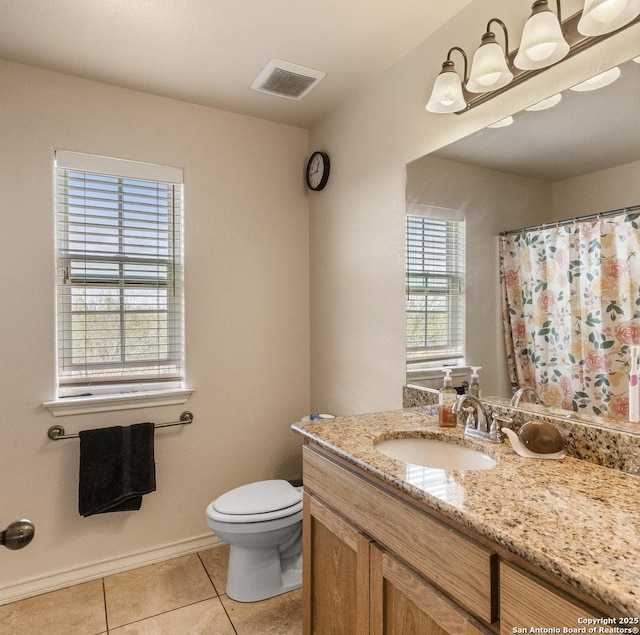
[[447, 396], [474, 386]]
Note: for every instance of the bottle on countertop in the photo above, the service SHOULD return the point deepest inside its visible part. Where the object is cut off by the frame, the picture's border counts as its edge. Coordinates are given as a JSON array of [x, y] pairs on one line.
[[474, 386], [447, 396]]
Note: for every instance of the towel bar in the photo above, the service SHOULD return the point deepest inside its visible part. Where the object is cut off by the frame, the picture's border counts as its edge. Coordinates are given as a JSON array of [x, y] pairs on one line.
[[55, 433]]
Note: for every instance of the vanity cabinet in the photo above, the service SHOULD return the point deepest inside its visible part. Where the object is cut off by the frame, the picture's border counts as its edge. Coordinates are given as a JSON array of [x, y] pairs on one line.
[[375, 564], [378, 564], [527, 601]]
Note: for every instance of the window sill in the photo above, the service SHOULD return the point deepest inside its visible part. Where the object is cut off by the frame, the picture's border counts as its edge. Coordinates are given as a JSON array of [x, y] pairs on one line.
[[108, 403]]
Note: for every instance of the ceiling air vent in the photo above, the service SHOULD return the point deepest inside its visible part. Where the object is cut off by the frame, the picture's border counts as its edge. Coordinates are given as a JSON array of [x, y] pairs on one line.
[[285, 79]]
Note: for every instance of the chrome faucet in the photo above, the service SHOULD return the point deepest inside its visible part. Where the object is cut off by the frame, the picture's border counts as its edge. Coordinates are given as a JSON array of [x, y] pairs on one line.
[[517, 396], [476, 424]]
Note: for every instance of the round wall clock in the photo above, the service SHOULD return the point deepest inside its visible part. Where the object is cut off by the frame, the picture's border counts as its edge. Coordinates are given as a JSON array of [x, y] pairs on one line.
[[318, 171]]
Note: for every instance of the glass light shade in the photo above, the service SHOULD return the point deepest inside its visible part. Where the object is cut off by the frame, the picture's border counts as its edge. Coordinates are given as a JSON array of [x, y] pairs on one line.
[[503, 123], [446, 95], [603, 16], [489, 70], [598, 81], [542, 42], [549, 102]]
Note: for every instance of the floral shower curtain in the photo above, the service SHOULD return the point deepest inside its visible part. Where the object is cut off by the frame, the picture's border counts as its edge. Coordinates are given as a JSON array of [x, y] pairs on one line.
[[571, 311]]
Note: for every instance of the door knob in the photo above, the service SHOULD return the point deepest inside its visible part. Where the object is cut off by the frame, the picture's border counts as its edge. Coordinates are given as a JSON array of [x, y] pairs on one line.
[[18, 534]]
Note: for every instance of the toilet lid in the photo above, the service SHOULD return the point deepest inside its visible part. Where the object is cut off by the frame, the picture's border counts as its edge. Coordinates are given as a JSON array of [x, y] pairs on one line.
[[258, 498]]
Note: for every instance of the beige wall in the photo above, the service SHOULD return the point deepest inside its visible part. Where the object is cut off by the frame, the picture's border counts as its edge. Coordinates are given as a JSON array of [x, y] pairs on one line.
[[357, 222], [247, 320], [610, 189]]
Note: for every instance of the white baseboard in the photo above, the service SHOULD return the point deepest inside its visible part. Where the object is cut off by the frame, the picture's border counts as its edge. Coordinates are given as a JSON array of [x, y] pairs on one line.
[[61, 579]]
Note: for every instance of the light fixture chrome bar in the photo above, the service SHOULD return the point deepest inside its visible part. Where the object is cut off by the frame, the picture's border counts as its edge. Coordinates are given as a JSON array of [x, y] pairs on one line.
[[577, 43]]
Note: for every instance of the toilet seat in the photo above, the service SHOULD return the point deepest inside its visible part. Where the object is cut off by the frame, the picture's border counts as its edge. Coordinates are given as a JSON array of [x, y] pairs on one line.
[[256, 502]]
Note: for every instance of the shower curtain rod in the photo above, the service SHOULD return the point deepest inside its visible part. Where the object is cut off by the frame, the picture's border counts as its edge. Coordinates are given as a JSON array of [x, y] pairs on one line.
[[579, 219]]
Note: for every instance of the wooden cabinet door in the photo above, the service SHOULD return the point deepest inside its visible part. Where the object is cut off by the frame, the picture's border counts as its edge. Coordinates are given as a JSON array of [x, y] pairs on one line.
[[403, 603], [464, 569], [335, 574], [527, 602]]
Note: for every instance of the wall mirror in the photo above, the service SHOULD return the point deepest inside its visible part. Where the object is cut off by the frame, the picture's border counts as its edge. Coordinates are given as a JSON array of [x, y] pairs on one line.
[[586, 132]]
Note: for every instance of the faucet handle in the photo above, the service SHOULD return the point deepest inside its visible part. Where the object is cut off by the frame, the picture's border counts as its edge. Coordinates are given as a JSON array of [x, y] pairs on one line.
[[496, 418], [470, 423], [503, 418]]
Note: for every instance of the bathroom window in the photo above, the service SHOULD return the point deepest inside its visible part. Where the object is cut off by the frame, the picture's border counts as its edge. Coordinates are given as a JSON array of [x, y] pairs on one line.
[[435, 284], [119, 276]]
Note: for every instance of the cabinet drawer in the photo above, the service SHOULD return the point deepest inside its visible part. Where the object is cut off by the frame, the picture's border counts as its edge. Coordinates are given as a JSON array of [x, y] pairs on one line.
[[526, 602], [460, 567]]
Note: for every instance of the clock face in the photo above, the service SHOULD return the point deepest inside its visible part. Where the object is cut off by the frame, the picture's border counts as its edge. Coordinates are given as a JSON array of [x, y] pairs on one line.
[[317, 171]]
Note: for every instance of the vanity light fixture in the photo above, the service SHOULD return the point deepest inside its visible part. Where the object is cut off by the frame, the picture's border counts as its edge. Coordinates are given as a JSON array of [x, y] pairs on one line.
[[549, 102], [489, 68], [598, 81], [447, 95], [603, 16], [543, 42], [546, 40]]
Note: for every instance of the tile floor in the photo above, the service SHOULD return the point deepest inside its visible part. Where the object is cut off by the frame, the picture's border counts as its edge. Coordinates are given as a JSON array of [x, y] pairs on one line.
[[183, 596]]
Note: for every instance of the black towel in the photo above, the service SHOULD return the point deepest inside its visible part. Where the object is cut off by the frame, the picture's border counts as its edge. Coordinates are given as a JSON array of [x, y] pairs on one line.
[[116, 468]]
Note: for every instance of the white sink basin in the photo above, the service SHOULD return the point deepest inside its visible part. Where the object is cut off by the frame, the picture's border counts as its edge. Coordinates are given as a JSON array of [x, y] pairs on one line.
[[434, 453]]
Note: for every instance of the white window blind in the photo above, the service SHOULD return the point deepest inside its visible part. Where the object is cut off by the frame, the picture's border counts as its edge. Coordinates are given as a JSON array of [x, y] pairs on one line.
[[120, 295], [435, 284]]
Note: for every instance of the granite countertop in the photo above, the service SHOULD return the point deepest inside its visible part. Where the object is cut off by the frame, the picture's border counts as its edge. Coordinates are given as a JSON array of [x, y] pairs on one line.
[[571, 518]]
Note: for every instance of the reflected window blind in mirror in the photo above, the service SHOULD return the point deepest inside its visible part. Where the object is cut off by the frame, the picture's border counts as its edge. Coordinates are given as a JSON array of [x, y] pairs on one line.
[[119, 275], [434, 283]]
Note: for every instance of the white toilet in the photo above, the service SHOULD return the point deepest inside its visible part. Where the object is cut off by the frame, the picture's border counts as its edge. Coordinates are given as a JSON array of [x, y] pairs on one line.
[[262, 523]]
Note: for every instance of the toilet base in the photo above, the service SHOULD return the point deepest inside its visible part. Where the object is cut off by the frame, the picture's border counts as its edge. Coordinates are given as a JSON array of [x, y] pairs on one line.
[[259, 574]]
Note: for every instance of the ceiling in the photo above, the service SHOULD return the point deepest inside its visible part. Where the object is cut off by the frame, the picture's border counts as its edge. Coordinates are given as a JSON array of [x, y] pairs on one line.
[[586, 132], [209, 51]]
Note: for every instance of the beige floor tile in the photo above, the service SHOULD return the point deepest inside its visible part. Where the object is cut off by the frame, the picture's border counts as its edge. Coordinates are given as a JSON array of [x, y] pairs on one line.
[[77, 610], [216, 562], [136, 595], [203, 618], [281, 615]]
